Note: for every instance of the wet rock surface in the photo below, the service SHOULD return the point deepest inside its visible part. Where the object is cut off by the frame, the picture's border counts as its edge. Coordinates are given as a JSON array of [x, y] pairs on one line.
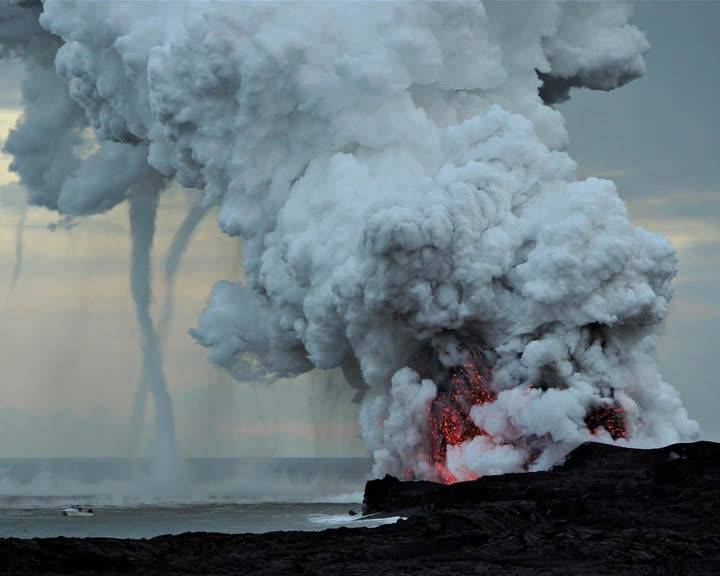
[[606, 510]]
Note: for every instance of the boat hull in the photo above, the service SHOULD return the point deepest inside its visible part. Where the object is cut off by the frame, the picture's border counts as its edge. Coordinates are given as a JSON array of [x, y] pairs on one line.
[[77, 513]]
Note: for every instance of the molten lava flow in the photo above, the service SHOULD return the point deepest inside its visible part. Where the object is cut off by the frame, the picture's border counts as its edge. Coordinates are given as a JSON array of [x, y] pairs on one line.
[[611, 418], [468, 385], [450, 422]]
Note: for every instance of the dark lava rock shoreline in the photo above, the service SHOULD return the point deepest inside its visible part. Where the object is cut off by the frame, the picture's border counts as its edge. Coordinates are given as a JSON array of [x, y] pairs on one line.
[[606, 510]]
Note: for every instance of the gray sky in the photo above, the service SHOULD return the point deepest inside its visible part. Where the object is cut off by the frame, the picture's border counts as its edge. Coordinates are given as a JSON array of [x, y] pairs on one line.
[[69, 357], [659, 138]]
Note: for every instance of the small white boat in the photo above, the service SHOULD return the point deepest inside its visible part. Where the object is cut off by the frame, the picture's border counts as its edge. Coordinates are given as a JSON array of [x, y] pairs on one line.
[[77, 511]]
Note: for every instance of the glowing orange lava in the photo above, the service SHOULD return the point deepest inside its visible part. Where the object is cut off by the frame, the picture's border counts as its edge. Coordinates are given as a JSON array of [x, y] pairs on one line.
[[469, 385], [611, 418], [450, 422]]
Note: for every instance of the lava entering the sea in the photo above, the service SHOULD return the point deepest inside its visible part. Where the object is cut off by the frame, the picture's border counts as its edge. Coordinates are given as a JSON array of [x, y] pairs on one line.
[[450, 422], [470, 384], [611, 418]]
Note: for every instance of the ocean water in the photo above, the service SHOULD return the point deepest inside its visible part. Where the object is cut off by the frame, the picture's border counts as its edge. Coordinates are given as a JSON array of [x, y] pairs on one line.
[[131, 500]]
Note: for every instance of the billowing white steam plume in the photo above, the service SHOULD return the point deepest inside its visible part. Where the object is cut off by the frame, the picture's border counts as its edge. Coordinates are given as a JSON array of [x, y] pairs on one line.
[[398, 175]]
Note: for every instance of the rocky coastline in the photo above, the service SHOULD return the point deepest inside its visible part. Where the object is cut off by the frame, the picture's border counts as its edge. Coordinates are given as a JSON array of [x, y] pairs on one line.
[[606, 510]]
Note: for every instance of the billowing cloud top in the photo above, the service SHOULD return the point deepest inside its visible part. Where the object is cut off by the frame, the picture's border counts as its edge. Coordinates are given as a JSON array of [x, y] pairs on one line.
[[398, 175]]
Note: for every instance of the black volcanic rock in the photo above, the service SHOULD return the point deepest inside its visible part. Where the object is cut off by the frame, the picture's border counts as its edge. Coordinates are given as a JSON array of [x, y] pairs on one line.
[[599, 470], [606, 510]]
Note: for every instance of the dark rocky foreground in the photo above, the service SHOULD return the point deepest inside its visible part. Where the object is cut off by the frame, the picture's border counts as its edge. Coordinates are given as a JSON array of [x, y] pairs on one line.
[[607, 510]]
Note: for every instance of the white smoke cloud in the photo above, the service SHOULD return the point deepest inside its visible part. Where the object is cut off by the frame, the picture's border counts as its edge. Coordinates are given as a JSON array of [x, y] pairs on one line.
[[399, 180], [400, 424], [593, 48]]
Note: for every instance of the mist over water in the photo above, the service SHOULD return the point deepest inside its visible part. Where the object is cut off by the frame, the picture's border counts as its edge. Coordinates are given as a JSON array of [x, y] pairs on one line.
[[219, 494], [49, 483]]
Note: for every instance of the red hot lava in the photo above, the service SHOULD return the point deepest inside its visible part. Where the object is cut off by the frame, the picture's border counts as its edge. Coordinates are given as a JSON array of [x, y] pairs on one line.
[[450, 422], [611, 418], [468, 386]]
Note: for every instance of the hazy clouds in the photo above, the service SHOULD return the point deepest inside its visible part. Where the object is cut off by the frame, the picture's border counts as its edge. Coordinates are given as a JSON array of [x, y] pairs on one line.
[[68, 349]]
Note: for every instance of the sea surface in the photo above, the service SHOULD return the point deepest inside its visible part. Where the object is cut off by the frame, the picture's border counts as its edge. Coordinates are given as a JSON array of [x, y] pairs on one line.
[[132, 499]]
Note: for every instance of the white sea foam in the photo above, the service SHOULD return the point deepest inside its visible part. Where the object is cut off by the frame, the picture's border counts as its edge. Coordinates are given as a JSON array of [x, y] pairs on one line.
[[345, 519]]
